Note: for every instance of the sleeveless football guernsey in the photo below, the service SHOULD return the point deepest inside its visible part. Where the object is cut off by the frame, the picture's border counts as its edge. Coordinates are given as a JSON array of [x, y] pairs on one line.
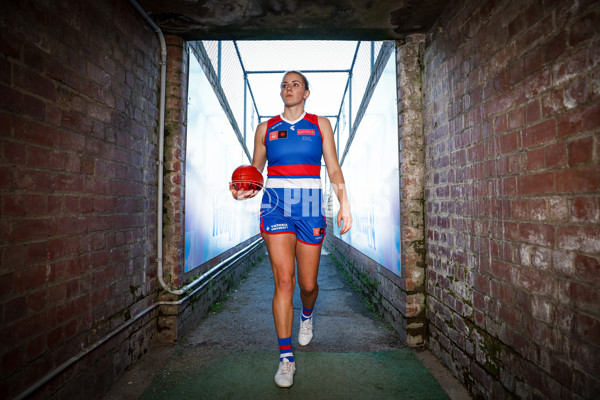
[[293, 186]]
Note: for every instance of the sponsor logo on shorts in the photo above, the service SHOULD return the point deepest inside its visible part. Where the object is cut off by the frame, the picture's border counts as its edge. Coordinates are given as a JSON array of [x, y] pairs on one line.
[[276, 227], [306, 131], [318, 231]]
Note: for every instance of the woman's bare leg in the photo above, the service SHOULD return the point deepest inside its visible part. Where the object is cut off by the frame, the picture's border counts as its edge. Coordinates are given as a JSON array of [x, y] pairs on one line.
[[308, 257], [282, 251]]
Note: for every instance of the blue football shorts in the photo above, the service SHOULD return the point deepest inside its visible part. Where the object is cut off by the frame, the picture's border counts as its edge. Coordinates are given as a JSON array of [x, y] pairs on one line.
[[309, 230]]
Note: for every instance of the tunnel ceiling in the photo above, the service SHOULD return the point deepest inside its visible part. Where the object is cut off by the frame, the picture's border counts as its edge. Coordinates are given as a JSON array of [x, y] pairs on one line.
[[293, 19]]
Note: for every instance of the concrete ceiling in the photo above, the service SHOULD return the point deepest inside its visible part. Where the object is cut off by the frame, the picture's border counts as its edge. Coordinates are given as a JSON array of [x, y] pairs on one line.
[[294, 19]]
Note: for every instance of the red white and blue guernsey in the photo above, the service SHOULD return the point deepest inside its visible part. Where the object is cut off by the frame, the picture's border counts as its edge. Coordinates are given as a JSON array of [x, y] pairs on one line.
[[292, 200]]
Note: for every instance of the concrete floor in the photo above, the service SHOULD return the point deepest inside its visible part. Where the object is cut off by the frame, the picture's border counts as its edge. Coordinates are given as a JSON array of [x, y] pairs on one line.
[[233, 352]]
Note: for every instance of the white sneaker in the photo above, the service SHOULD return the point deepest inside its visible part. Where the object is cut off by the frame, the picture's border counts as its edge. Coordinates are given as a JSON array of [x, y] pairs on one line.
[[306, 332], [285, 373]]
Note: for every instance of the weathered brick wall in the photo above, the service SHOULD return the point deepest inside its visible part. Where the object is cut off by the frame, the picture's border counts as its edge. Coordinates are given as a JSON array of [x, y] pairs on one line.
[[412, 175], [512, 123], [78, 134], [174, 167]]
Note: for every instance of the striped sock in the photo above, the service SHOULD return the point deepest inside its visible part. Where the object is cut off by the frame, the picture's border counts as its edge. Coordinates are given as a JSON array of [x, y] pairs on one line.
[[306, 313], [285, 349]]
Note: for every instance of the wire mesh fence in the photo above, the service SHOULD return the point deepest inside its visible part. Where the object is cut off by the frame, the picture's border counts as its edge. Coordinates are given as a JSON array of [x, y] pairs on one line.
[[250, 74]]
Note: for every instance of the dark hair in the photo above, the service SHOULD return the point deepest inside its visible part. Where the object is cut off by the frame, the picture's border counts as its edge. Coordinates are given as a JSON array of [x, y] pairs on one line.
[[301, 74]]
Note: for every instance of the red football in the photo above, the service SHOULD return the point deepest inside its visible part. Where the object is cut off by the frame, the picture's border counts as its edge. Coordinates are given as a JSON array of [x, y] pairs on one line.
[[247, 177]]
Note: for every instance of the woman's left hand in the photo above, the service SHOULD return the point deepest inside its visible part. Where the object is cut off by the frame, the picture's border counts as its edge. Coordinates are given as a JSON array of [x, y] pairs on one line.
[[345, 216]]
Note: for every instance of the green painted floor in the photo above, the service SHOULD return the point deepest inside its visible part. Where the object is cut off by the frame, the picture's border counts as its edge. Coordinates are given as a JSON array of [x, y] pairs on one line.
[[233, 352], [231, 374]]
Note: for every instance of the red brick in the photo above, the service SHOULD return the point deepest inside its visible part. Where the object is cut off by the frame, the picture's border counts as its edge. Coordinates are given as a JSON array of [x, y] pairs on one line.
[[13, 204], [533, 61], [15, 309], [541, 133], [54, 204], [537, 209], [575, 92], [15, 153], [516, 72], [584, 29], [69, 182], [582, 238], [581, 295], [555, 155], [581, 150], [554, 47], [73, 225], [532, 112], [540, 258], [579, 120], [536, 159], [34, 107], [509, 315], [519, 209], [30, 229], [587, 267], [539, 234], [508, 187], [56, 294], [578, 180], [37, 300], [586, 384], [501, 124], [30, 278], [540, 183], [508, 143], [33, 82], [56, 160], [584, 209], [561, 371], [533, 87], [587, 328], [499, 104], [552, 103], [33, 180], [516, 118]]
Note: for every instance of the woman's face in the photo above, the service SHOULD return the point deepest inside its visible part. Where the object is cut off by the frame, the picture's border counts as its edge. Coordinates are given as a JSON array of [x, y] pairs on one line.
[[293, 91]]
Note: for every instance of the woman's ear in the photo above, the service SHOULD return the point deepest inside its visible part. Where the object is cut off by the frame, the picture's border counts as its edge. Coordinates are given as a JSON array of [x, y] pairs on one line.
[[306, 94]]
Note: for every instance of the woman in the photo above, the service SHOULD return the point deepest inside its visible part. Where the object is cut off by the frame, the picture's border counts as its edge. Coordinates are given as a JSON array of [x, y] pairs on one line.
[[292, 220]]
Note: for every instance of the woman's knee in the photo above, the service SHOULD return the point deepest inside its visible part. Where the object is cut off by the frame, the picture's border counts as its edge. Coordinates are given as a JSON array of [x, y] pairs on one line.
[[308, 289], [285, 284]]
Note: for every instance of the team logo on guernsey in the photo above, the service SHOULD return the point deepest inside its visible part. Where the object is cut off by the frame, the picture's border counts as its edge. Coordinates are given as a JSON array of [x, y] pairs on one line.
[[277, 135], [318, 231], [306, 131]]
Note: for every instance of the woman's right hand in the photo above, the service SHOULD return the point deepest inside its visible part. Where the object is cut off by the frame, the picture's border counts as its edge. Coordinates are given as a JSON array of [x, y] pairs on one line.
[[241, 194]]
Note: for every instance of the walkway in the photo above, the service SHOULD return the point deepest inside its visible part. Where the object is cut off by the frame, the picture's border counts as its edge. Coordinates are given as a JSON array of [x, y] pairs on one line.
[[233, 352]]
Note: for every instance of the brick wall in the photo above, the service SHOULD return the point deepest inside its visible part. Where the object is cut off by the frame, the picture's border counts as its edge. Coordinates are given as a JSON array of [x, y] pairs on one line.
[[512, 135], [174, 167], [412, 174], [78, 134]]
